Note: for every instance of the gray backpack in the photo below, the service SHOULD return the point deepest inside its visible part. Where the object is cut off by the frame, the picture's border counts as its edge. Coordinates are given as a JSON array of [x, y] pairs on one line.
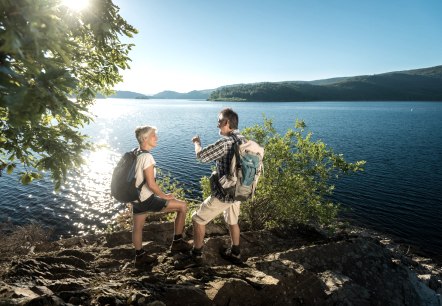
[[245, 168]]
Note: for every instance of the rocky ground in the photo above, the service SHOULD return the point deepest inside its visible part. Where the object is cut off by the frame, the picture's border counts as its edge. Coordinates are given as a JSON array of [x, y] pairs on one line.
[[302, 267]]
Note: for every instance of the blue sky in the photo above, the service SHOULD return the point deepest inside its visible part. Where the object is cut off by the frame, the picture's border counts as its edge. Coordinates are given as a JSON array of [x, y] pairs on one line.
[[186, 45]]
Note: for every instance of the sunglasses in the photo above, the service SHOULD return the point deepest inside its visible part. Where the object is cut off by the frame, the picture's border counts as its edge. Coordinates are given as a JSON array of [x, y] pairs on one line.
[[222, 122]]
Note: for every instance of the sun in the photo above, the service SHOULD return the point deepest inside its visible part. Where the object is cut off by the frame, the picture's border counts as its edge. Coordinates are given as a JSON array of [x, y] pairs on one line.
[[76, 5]]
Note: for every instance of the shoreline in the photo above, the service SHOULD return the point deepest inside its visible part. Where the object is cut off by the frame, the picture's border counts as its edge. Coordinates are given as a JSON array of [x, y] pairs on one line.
[[392, 241]]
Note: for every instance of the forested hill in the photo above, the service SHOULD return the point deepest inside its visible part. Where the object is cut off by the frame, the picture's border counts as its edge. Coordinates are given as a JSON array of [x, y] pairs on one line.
[[194, 94], [411, 85]]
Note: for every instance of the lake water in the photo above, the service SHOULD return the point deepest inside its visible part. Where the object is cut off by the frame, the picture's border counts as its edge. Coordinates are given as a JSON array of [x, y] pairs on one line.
[[399, 193]]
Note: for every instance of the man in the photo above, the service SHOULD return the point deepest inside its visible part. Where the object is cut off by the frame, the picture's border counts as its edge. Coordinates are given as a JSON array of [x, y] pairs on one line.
[[221, 152]]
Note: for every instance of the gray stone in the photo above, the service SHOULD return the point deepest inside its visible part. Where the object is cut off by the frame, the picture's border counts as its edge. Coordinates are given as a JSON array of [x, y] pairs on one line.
[[277, 270]]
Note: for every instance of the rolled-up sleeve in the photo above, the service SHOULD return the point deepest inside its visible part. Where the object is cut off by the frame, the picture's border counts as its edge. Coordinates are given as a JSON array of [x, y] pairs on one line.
[[212, 152]]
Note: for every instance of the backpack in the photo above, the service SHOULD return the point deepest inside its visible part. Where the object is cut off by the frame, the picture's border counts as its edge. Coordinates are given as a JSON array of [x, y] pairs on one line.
[[245, 168], [123, 187]]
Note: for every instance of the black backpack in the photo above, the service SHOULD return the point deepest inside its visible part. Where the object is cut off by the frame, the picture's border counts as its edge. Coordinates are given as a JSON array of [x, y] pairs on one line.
[[123, 187]]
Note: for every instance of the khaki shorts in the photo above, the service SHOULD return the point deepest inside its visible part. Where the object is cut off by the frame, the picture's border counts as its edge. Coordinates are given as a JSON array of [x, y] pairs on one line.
[[212, 207]]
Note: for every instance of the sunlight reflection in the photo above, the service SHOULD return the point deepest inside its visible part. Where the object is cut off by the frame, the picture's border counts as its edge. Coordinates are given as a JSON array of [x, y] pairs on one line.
[[87, 190], [98, 163], [76, 5]]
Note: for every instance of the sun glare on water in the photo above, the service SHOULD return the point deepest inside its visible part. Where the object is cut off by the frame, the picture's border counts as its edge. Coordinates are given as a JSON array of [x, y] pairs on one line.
[[76, 5]]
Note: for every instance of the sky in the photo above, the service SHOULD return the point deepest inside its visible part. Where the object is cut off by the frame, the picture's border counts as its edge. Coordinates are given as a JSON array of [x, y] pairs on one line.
[[186, 45]]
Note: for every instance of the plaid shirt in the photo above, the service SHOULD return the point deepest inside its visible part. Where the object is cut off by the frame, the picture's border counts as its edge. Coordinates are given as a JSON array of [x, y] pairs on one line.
[[221, 152]]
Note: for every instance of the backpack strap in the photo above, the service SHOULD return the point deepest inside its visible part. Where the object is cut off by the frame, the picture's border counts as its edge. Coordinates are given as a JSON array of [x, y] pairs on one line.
[[255, 181], [138, 152], [235, 147]]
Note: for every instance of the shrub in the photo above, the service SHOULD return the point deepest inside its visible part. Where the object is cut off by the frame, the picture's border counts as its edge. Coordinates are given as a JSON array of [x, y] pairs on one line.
[[20, 240], [297, 181]]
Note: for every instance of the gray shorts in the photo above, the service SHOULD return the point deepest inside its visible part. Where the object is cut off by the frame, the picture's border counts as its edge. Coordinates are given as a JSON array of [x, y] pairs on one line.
[[151, 204]]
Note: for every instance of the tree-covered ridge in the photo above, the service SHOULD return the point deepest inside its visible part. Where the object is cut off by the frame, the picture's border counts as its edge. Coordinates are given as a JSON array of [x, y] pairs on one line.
[[412, 85], [167, 94], [194, 94]]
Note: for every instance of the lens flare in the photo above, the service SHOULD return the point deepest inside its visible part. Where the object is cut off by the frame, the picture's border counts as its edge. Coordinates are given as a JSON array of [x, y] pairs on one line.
[[76, 5]]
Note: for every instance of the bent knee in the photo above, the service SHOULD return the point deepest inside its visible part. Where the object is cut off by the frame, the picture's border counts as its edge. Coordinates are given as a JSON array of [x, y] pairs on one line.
[[183, 207], [198, 220], [178, 205]]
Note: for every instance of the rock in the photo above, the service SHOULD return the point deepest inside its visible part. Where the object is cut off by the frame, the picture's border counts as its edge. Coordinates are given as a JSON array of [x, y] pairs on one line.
[[435, 283], [109, 300], [232, 292], [69, 285], [333, 281], [46, 300], [425, 278], [213, 229], [117, 239], [183, 295], [156, 303], [77, 253], [42, 290], [63, 260], [280, 268]]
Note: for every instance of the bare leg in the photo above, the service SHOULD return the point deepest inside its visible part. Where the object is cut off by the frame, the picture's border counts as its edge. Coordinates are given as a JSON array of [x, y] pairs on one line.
[[180, 208], [234, 234], [137, 230], [199, 230]]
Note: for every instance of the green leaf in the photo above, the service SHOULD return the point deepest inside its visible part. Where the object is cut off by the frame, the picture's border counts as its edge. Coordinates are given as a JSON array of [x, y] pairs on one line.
[[26, 179], [52, 53], [10, 168]]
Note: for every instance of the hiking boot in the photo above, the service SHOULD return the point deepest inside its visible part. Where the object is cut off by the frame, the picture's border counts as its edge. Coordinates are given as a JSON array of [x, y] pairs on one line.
[[190, 261], [143, 260], [227, 254], [180, 245]]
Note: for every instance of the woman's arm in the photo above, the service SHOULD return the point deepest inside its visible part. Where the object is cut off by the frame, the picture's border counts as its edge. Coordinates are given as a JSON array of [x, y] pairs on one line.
[[150, 182]]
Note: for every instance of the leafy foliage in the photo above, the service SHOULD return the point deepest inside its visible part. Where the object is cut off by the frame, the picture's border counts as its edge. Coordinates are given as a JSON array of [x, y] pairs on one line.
[[413, 85], [49, 54], [297, 181]]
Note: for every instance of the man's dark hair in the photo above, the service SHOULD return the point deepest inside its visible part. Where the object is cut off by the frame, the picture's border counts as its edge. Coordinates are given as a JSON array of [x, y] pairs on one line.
[[230, 115]]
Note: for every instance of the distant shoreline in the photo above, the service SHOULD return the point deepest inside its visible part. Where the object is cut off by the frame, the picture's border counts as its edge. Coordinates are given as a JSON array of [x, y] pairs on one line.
[[274, 101], [410, 85]]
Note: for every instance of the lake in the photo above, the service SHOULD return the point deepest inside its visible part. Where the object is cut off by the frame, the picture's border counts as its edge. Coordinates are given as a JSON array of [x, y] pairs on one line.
[[399, 193]]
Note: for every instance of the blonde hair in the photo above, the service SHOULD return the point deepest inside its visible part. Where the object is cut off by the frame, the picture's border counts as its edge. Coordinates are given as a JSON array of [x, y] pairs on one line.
[[143, 132]]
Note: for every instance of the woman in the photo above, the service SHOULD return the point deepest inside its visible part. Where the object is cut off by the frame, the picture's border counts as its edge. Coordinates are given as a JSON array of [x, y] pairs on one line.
[[152, 198]]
